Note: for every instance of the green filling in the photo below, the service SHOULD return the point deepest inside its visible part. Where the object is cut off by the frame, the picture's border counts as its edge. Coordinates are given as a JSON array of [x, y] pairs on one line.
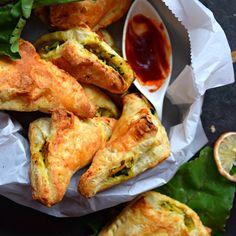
[[44, 152], [52, 46], [124, 172], [104, 57], [101, 111], [123, 169], [189, 222], [170, 207]]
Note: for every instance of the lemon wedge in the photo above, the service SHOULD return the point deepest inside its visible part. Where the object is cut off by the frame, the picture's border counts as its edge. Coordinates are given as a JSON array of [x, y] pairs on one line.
[[225, 155]]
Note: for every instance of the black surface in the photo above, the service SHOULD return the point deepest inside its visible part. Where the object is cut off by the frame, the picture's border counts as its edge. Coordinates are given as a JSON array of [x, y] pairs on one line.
[[219, 109]]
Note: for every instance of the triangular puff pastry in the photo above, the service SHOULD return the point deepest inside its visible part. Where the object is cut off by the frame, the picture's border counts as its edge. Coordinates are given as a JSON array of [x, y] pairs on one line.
[[138, 142], [96, 14], [31, 84], [120, 7], [87, 12], [60, 146], [153, 213], [84, 55]]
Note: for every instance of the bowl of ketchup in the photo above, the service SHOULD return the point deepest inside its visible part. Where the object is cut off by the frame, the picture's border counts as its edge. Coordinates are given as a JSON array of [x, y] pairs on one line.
[[147, 48]]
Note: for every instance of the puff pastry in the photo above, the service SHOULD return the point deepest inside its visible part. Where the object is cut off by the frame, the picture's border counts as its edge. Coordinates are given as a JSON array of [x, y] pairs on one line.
[[103, 104], [138, 142], [86, 57], [95, 14], [31, 84], [153, 213], [107, 37], [119, 8], [59, 147]]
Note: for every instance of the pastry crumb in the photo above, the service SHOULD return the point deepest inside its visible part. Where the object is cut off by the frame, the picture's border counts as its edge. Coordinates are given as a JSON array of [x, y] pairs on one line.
[[213, 129]]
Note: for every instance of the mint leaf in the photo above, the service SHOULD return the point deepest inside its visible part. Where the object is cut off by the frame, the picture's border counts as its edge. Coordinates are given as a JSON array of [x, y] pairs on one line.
[[199, 185]]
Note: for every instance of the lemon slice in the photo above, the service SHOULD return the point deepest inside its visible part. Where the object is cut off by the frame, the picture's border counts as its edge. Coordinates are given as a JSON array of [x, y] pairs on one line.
[[225, 155]]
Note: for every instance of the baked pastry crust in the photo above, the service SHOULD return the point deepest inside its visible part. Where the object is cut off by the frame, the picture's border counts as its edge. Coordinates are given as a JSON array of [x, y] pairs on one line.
[[95, 14], [84, 55], [31, 84], [119, 8], [138, 142], [102, 102], [59, 147], [153, 213]]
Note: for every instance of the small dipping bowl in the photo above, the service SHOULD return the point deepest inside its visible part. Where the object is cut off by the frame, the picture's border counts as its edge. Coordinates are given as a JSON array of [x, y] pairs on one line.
[[146, 46]]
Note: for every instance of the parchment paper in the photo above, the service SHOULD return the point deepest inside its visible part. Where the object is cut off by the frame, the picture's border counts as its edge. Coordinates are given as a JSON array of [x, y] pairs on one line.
[[210, 66]]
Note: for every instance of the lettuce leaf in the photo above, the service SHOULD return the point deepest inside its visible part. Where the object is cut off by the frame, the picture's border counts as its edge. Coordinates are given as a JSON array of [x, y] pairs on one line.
[[11, 24], [13, 17], [199, 185], [40, 3]]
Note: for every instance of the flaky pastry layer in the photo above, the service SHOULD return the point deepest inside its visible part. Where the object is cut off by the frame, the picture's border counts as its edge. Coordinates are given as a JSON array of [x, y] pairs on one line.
[[33, 84], [59, 147], [138, 142], [95, 14], [84, 55], [153, 213]]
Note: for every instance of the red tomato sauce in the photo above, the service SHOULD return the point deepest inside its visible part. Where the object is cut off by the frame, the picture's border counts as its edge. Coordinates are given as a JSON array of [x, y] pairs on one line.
[[148, 50]]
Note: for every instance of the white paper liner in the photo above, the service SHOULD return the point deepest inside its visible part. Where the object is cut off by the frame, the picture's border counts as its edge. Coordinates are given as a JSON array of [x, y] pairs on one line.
[[211, 67]]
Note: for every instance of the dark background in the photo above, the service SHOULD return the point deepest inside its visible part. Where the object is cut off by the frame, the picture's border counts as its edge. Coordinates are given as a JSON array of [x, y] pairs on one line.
[[219, 109]]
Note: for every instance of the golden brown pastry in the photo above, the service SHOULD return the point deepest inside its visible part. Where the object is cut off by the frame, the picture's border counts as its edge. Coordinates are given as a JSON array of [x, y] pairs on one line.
[[103, 104], [138, 142], [119, 8], [31, 84], [59, 147], [86, 57], [107, 37], [153, 213], [95, 14]]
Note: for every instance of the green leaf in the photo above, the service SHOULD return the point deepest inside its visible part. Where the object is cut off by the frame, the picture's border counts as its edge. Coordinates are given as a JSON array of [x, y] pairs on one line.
[[199, 185], [4, 2], [13, 17], [16, 10], [14, 40], [233, 170], [12, 21], [52, 46], [6, 15], [6, 51], [26, 6], [5, 35], [40, 3]]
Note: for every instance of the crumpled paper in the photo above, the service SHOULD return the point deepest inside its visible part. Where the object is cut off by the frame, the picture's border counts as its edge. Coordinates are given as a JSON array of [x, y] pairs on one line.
[[210, 67]]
